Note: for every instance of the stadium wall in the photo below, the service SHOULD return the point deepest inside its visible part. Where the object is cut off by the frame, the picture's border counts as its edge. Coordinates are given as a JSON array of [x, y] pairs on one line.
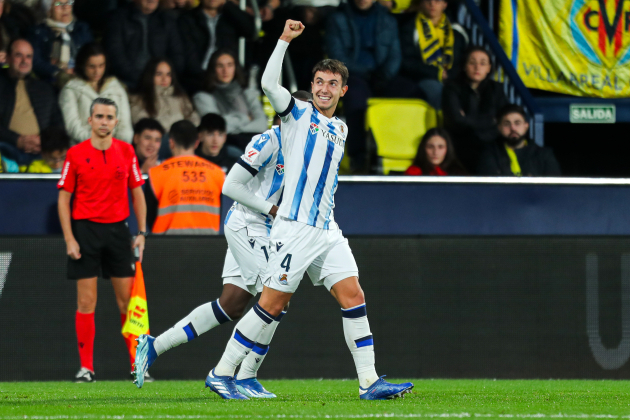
[[439, 307]]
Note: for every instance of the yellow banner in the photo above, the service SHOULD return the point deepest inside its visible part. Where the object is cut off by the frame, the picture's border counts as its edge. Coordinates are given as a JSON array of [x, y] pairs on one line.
[[576, 47]]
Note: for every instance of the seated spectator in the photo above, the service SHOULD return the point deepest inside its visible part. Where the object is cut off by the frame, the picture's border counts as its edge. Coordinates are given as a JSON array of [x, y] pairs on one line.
[[364, 36], [436, 156], [161, 97], [211, 26], [470, 104], [431, 55], [138, 32], [212, 145], [57, 41], [16, 21], [27, 105], [180, 181], [513, 154], [226, 93], [176, 7], [55, 145], [147, 139], [91, 82]]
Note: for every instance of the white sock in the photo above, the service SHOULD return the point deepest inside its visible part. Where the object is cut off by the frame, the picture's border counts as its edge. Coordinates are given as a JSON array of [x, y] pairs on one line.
[[254, 359], [245, 335], [200, 320], [356, 330]]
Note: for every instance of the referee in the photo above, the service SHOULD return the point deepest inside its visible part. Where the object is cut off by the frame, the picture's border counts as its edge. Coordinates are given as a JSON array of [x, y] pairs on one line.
[[98, 172]]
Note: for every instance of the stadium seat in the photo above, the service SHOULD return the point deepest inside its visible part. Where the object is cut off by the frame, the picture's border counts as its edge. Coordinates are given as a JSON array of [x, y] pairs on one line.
[[397, 125]]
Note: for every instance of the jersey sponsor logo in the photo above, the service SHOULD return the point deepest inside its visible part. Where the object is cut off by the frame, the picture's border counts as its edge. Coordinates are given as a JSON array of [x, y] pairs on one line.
[[278, 246], [65, 173], [252, 242], [283, 279], [280, 169], [314, 128], [136, 174], [251, 155], [335, 139]]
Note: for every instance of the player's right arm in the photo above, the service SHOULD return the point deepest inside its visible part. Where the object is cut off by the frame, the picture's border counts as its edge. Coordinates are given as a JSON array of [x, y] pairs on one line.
[[63, 206], [279, 97]]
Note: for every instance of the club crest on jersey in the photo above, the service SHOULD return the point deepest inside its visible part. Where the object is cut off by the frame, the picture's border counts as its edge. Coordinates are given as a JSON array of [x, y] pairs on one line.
[[280, 169], [283, 279], [314, 128]]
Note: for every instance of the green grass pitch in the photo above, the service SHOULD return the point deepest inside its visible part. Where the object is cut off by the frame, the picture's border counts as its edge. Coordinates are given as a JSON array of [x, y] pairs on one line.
[[309, 399]]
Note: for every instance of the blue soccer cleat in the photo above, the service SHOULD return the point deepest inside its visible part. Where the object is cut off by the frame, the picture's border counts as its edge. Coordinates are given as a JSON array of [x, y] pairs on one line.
[[383, 390], [225, 386], [252, 388], [145, 356]]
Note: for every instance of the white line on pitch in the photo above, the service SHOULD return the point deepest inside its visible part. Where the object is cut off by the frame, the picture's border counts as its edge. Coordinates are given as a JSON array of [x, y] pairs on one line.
[[322, 416]]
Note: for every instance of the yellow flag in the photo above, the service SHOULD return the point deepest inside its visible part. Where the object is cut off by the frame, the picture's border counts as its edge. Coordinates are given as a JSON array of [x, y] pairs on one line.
[[137, 322]]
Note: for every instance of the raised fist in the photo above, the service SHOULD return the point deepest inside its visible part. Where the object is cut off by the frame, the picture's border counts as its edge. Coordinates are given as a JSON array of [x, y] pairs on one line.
[[292, 29]]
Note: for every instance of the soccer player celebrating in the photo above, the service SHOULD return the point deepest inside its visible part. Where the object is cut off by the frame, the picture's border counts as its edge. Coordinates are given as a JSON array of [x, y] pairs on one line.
[[98, 173], [305, 235], [256, 184]]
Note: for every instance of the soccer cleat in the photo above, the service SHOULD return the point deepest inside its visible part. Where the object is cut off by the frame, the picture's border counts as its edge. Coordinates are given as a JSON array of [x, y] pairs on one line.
[[225, 386], [252, 388], [84, 376], [147, 377], [383, 390], [145, 356]]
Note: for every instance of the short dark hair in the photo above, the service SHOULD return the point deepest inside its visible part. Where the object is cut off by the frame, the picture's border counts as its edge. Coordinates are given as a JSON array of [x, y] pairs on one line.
[[184, 134], [14, 41], [148, 124], [103, 101], [330, 65], [511, 109], [54, 139], [212, 122], [302, 95]]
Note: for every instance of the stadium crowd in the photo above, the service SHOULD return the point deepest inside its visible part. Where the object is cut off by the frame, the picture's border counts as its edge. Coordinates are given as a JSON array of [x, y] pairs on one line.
[[172, 60]]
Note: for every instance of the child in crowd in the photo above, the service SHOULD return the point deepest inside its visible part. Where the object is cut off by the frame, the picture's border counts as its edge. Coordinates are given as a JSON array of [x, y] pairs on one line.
[[55, 145]]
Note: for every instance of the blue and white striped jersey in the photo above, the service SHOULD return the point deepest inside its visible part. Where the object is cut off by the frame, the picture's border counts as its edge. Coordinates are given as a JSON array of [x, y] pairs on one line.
[[313, 148], [262, 158]]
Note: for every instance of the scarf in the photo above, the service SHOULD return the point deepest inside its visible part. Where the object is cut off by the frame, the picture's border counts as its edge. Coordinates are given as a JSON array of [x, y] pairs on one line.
[[231, 98], [436, 43], [515, 167], [62, 45]]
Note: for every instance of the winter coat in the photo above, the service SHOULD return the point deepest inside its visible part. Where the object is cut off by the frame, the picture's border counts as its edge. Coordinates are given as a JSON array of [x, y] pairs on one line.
[[170, 109], [533, 160], [43, 100], [343, 40], [75, 100], [43, 37], [236, 122]]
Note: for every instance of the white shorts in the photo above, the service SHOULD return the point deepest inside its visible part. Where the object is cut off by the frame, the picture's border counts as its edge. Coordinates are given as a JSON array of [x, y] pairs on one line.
[[297, 248], [245, 260]]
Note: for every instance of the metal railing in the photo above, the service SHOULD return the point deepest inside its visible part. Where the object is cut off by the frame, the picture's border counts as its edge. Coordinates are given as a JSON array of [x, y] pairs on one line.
[[257, 26], [472, 19]]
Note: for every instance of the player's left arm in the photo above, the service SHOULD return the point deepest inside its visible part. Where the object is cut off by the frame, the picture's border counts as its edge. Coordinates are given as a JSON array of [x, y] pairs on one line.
[[140, 209], [235, 187]]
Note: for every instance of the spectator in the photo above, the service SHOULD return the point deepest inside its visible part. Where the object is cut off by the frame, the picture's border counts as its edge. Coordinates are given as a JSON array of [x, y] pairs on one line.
[[160, 96], [363, 35], [436, 156], [138, 32], [432, 55], [147, 138], [176, 7], [470, 105], [57, 41], [226, 93], [27, 105], [513, 154], [212, 145], [4, 36], [16, 21], [211, 26], [91, 82], [55, 145]]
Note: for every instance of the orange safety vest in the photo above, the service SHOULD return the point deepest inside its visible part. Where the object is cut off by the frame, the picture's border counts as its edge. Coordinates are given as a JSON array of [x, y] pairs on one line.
[[188, 191]]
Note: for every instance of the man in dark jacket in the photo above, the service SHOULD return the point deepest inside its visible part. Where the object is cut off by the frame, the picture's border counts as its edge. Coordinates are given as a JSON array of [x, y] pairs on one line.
[[27, 105], [363, 35], [137, 33], [513, 154], [213, 25]]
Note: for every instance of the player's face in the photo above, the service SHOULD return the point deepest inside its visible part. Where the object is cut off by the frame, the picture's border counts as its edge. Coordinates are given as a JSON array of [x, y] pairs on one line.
[[433, 9], [55, 159], [95, 68], [147, 143], [21, 59], [103, 120], [513, 126], [477, 67], [225, 68], [327, 90], [163, 75], [436, 149], [212, 141]]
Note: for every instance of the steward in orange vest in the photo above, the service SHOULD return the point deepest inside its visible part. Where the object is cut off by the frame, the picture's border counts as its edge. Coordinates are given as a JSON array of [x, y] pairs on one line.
[[185, 196]]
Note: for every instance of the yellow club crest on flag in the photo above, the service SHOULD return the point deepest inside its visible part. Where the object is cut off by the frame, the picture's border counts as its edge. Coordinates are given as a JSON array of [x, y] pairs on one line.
[[137, 322]]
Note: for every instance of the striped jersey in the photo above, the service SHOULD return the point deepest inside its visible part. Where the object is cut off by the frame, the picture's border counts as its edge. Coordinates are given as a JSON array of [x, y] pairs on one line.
[[313, 148], [262, 158]]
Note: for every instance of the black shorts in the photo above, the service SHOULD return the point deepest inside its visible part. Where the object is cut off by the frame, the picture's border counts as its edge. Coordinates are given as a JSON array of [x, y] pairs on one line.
[[103, 246]]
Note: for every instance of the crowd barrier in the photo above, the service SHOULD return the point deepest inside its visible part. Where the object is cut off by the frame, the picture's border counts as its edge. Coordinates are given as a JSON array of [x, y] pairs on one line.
[[447, 307]]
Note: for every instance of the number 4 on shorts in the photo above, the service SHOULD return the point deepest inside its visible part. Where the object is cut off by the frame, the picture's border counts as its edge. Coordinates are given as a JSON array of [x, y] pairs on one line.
[[286, 263]]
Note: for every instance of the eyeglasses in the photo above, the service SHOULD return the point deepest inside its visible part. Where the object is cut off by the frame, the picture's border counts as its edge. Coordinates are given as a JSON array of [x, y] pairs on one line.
[[69, 3]]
